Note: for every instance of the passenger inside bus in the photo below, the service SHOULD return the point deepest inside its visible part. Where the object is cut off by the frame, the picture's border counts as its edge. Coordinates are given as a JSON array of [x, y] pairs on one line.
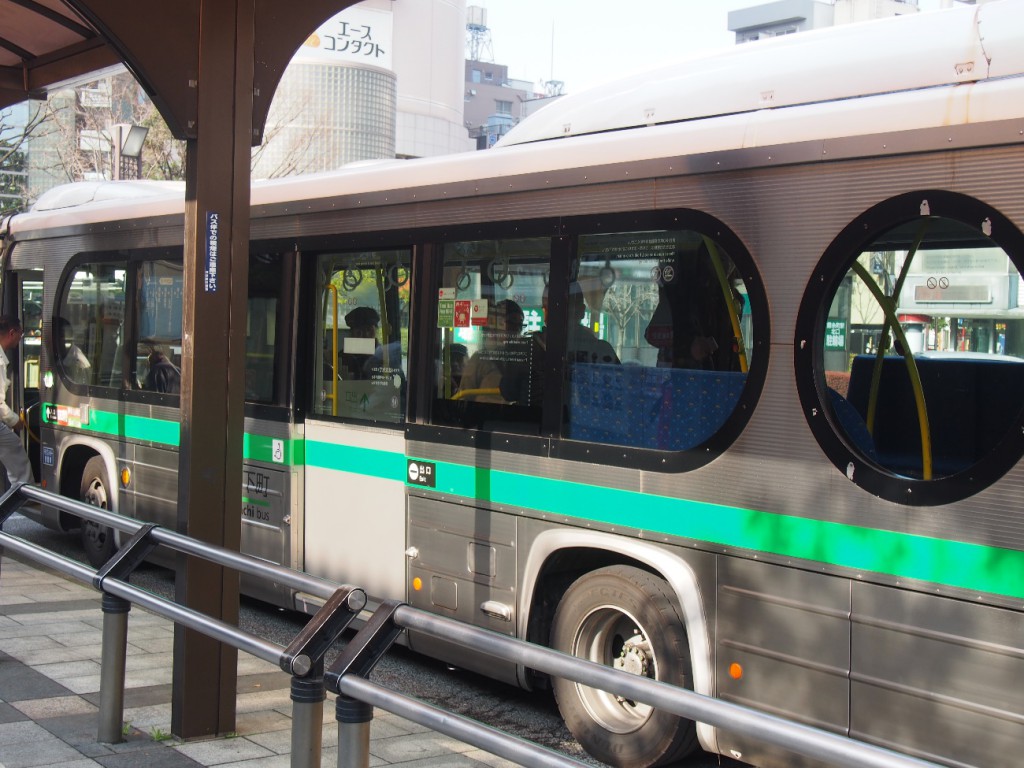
[[163, 375], [523, 382], [691, 327], [482, 376], [360, 344], [582, 343], [74, 362]]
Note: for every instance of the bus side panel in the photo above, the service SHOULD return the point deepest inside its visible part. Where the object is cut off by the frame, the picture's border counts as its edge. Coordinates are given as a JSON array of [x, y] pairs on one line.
[[466, 563], [154, 486], [789, 632], [931, 676]]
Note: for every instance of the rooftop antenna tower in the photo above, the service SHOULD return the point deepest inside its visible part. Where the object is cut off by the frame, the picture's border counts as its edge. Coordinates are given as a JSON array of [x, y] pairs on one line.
[[553, 87], [478, 34]]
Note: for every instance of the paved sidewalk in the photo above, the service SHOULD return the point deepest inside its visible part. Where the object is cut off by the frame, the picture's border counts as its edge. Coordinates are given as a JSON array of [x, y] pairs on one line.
[[50, 631]]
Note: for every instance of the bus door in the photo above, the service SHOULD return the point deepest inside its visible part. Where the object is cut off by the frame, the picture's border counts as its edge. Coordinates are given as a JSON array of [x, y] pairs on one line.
[[354, 526], [25, 299], [271, 467]]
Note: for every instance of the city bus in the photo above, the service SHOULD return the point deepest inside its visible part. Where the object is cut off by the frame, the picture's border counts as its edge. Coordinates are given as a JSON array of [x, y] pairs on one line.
[[714, 375]]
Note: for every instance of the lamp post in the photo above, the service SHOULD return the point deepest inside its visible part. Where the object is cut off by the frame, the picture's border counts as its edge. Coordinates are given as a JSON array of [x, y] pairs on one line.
[[126, 142]]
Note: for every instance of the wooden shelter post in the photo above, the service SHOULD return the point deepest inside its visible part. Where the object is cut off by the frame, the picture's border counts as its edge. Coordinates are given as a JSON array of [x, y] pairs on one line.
[[213, 340]]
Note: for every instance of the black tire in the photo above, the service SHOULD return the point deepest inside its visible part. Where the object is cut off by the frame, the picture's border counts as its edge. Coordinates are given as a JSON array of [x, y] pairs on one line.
[[97, 540], [624, 617]]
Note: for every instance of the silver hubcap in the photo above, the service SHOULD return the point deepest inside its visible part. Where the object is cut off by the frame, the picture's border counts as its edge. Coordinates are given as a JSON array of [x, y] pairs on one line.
[[95, 495], [610, 636]]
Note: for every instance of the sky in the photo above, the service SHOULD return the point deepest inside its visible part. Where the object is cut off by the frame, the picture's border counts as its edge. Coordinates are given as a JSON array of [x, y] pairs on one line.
[[599, 40]]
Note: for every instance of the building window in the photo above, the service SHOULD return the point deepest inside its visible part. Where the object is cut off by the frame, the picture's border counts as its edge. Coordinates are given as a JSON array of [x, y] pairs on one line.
[[503, 107]]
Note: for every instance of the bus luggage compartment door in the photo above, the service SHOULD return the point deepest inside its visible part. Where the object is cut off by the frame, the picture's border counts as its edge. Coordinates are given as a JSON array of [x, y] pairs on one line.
[[462, 564]]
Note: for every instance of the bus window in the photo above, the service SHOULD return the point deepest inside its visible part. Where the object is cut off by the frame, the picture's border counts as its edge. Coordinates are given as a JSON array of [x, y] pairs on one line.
[[158, 308], [490, 331], [920, 349], [266, 283], [363, 335], [90, 323], [656, 345], [32, 322]]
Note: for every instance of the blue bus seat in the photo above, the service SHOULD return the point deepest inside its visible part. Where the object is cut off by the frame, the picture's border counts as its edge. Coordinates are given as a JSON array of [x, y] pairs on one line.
[[669, 409]]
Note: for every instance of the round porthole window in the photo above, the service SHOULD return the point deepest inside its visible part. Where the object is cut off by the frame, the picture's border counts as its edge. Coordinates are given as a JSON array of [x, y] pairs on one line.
[[910, 348]]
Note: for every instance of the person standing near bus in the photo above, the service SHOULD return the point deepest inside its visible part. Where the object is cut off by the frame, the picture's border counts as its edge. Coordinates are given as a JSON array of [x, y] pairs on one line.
[[12, 452]]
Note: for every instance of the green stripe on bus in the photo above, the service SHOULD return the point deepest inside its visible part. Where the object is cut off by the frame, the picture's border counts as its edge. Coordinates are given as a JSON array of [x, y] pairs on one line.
[[362, 461], [261, 448], [132, 427], [168, 433], [973, 567]]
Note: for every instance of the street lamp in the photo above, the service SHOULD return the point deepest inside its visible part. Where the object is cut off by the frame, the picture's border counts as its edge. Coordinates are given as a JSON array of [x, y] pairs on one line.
[[126, 141]]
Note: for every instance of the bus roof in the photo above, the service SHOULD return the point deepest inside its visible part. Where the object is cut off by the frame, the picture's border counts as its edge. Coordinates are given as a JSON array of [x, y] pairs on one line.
[[910, 52], [955, 67]]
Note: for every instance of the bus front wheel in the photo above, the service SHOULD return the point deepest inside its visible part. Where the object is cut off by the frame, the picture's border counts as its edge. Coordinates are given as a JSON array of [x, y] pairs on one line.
[[625, 618], [97, 540]]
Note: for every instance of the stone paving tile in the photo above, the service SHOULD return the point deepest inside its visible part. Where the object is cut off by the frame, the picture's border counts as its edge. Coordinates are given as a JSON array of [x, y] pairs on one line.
[[403, 749], [152, 644], [252, 702], [25, 639], [250, 665], [217, 751], [10, 714], [55, 706], [146, 678], [77, 638], [262, 722], [68, 669], [403, 725], [76, 619], [18, 682], [53, 654], [79, 731], [13, 733], [490, 760], [10, 598], [83, 684], [157, 756], [137, 697], [152, 716], [90, 605], [141, 661], [444, 761], [41, 749], [275, 761], [272, 681]]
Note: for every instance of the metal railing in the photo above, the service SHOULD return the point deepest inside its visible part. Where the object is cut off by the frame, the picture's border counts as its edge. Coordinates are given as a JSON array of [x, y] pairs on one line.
[[348, 676]]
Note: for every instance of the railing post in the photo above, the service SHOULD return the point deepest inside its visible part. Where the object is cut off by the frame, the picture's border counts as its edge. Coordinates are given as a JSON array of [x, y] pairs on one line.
[[308, 695], [354, 718], [115, 648]]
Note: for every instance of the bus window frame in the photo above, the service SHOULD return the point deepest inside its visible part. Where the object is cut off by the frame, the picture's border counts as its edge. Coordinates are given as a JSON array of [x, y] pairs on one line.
[[281, 406], [564, 233], [311, 251], [808, 348], [128, 362]]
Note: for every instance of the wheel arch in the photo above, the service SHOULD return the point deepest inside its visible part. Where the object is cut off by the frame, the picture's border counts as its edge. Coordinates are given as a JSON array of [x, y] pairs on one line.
[[74, 454], [546, 566]]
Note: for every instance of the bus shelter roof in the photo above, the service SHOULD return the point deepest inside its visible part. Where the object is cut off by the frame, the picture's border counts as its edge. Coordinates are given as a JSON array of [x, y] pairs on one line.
[[47, 43]]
